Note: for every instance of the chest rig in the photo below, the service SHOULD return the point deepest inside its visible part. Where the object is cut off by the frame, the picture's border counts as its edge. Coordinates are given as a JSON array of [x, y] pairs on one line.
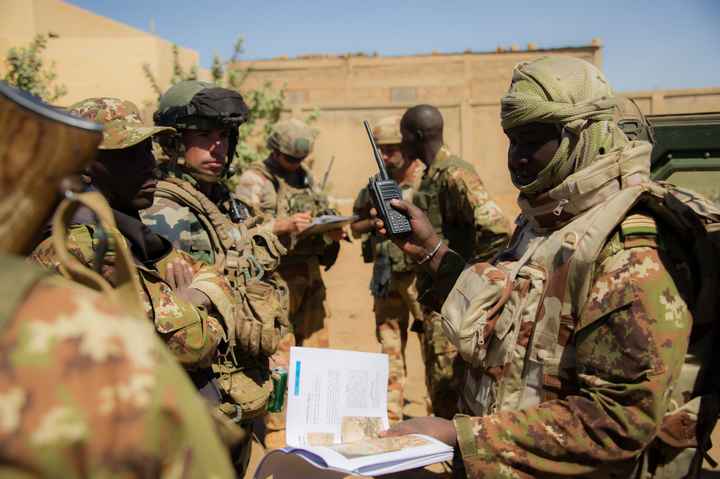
[[514, 320], [430, 197]]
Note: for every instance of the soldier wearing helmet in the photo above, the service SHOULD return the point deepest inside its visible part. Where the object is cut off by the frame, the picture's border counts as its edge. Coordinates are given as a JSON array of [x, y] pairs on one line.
[[392, 283], [69, 391], [195, 210], [283, 188], [180, 294]]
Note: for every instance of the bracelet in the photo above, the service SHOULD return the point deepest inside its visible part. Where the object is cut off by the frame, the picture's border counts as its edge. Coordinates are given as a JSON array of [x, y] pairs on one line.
[[431, 254]]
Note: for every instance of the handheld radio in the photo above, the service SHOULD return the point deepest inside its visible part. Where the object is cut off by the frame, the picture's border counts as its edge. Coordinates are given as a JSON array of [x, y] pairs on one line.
[[383, 189]]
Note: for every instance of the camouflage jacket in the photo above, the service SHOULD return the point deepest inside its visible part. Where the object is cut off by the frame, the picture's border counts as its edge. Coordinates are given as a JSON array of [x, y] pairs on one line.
[[576, 334], [596, 421], [190, 332], [246, 257], [278, 194], [461, 211], [87, 391]]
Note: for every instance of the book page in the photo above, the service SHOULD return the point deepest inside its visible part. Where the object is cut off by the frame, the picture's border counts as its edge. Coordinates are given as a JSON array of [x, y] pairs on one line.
[[335, 396], [385, 454]]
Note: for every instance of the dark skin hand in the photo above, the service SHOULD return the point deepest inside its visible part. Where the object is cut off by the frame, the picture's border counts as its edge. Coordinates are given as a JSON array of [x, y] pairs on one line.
[[423, 238], [179, 275], [441, 429]]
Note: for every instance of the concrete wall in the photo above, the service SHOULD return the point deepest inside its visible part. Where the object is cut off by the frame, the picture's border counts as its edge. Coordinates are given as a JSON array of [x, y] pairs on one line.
[[466, 87], [94, 55]]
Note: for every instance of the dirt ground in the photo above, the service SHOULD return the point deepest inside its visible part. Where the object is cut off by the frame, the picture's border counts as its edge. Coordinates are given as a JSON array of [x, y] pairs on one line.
[[352, 327]]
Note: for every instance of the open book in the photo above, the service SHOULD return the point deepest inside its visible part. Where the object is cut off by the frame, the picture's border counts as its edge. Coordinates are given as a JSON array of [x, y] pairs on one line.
[[337, 406]]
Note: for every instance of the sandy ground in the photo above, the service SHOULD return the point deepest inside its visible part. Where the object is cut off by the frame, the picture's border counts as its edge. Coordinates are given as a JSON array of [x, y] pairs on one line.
[[352, 326]]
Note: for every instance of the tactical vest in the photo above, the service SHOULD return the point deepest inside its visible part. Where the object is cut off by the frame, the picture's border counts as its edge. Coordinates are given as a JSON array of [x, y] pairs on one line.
[[429, 198], [248, 259], [291, 200], [544, 280]]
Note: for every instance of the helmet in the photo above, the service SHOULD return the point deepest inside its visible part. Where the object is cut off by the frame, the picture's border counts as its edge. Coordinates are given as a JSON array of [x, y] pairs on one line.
[[387, 131], [193, 104], [199, 105], [292, 137], [631, 121], [123, 126]]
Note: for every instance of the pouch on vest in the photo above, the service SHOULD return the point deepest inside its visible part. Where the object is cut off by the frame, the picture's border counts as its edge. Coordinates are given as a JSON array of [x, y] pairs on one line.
[[247, 386], [263, 320]]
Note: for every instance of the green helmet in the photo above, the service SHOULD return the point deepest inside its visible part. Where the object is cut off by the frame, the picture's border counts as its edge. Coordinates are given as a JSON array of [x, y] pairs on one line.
[[198, 105], [292, 137], [193, 104]]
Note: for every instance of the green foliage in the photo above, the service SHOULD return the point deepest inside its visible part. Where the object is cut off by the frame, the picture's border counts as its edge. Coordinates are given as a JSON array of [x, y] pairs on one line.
[[27, 70], [179, 74]]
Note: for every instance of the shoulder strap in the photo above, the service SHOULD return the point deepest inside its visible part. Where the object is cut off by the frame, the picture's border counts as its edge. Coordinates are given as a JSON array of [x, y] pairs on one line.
[[17, 277], [180, 192], [127, 291]]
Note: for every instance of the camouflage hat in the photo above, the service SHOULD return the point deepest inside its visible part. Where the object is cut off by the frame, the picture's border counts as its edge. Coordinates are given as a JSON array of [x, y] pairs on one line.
[[292, 137], [387, 131], [123, 127]]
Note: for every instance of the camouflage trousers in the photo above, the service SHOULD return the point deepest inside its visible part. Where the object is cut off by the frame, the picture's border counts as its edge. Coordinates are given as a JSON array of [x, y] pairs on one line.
[[444, 368], [307, 318], [392, 314]]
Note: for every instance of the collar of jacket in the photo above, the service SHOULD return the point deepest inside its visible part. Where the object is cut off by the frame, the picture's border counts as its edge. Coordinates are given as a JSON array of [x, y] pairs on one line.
[[442, 160], [607, 175]]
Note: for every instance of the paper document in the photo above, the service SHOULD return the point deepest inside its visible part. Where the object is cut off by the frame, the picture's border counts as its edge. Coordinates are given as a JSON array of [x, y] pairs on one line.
[[336, 408], [335, 396], [325, 223]]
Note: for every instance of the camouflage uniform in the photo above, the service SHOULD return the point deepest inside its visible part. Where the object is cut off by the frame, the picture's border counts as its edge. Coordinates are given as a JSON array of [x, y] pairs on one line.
[[581, 325], [86, 390], [393, 281], [200, 225], [190, 332], [463, 214], [80, 375], [270, 191]]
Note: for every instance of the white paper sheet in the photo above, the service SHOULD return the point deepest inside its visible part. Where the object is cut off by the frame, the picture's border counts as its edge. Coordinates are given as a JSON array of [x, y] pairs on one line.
[[333, 392]]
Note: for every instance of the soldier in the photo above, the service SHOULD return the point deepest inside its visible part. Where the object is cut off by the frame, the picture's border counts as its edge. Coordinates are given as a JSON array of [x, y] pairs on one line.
[[452, 195], [392, 283], [282, 188], [87, 389], [196, 212], [177, 289], [576, 333]]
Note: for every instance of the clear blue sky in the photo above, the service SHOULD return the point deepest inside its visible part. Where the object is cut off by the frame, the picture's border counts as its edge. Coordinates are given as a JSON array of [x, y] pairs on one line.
[[647, 44]]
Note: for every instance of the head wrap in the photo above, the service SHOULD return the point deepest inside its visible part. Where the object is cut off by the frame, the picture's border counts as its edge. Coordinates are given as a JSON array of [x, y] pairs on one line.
[[572, 94]]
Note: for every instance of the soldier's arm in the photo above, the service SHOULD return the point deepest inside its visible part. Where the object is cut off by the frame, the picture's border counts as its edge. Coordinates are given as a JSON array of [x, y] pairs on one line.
[[79, 244], [468, 202], [361, 208], [190, 331], [630, 346], [129, 408], [259, 194]]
